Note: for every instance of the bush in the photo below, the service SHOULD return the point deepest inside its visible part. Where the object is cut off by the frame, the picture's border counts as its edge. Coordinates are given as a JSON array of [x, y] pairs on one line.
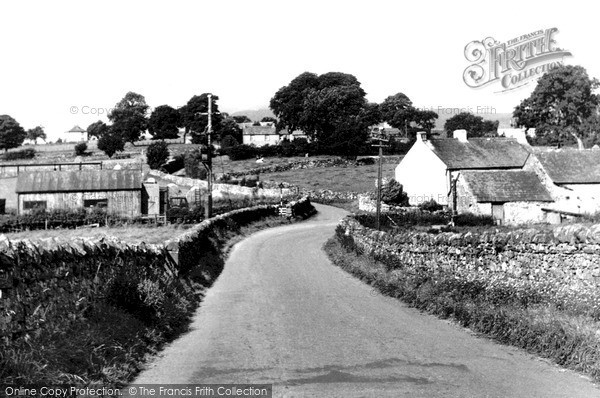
[[157, 155], [431, 206], [28, 153], [393, 194], [80, 149], [194, 168], [241, 152]]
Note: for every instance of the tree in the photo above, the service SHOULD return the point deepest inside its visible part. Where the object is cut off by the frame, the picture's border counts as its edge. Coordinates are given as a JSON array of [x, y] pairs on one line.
[[11, 133], [164, 123], [331, 109], [157, 154], [475, 125], [562, 108], [111, 142], [195, 118], [229, 128], [97, 129], [35, 133], [400, 113], [268, 119], [129, 117], [242, 119], [80, 149]]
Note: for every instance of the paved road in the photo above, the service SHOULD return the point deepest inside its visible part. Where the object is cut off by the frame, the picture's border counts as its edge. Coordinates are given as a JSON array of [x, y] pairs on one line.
[[281, 313]]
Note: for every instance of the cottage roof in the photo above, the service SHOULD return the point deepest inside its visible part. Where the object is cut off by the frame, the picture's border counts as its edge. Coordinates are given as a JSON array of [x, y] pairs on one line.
[[506, 186], [259, 130], [480, 153], [76, 129], [572, 166], [78, 181]]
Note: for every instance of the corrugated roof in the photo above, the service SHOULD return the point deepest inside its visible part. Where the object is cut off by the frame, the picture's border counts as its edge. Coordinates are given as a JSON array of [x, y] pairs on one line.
[[78, 181], [571, 166], [480, 153], [506, 186], [259, 130]]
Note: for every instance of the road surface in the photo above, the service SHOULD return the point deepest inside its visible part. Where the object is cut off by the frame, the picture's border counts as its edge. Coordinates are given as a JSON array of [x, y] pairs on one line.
[[281, 313]]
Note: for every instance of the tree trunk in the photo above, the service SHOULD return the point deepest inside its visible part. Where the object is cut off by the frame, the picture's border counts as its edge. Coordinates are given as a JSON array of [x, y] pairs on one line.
[[572, 131]]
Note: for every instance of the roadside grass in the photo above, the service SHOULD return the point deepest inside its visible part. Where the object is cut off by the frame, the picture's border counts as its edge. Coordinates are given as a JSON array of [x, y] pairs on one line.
[[110, 345], [570, 340]]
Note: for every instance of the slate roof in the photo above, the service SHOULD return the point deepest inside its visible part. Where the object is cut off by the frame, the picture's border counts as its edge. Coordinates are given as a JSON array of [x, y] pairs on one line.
[[259, 130], [480, 153], [44, 181], [506, 186], [572, 166], [76, 129]]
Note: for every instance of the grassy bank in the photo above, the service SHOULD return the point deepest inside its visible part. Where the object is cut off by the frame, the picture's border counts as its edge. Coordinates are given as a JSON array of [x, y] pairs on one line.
[[568, 337], [106, 337]]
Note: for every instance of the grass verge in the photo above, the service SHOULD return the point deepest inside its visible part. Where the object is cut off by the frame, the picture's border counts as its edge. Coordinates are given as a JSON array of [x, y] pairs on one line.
[[572, 341]]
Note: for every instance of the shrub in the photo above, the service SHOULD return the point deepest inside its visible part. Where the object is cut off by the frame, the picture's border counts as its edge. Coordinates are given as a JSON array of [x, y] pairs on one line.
[[228, 142], [393, 194], [431, 206], [28, 153], [158, 153], [241, 152], [194, 168], [80, 149]]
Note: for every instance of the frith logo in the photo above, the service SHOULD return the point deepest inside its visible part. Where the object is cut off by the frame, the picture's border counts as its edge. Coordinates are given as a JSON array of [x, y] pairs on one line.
[[514, 63]]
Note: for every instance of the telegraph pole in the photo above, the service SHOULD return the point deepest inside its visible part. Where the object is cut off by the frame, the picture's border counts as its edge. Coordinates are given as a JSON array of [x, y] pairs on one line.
[[208, 209], [381, 138]]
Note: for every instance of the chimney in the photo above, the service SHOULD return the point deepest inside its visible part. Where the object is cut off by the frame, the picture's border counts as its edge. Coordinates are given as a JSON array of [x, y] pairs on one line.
[[461, 135], [421, 135]]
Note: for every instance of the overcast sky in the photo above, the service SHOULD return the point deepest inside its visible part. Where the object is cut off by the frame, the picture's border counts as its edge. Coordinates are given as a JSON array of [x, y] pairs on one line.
[[61, 59]]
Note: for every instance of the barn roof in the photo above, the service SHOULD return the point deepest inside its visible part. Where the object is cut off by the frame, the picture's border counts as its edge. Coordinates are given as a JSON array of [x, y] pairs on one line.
[[480, 153], [572, 166], [506, 186], [78, 181], [76, 129]]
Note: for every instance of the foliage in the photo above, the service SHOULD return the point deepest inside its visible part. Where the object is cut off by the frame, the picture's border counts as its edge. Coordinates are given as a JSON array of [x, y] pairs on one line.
[[430, 205], [475, 125], [194, 117], [331, 109], [227, 142], [242, 119], [194, 166], [129, 117], [268, 119], [157, 154], [562, 108], [241, 152], [111, 142], [473, 220], [164, 123], [12, 134], [27, 153], [397, 110], [229, 128], [97, 129], [393, 193], [80, 149], [36, 133]]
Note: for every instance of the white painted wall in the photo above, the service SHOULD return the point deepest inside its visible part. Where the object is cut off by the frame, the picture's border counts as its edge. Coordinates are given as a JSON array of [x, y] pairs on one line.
[[423, 175], [260, 139]]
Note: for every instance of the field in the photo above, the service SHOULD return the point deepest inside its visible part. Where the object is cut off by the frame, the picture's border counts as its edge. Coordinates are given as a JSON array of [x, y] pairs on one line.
[[130, 234]]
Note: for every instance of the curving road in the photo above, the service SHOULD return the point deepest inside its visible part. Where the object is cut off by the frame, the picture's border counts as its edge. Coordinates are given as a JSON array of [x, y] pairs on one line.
[[281, 313]]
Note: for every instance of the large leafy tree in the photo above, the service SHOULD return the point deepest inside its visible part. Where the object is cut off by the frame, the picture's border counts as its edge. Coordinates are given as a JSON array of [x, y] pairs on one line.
[[11, 133], [164, 123], [36, 133], [128, 117], [400, 113], [562, 108], [331, 109], [476, 126], [97, 129], [194, 116], [111, 142], [229, 127]]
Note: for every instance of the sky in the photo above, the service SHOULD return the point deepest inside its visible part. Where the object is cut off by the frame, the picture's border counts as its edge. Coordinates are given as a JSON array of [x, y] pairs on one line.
[[67, 63]]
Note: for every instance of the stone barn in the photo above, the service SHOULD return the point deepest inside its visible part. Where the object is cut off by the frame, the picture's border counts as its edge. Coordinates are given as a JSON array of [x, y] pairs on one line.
[[120, 192]]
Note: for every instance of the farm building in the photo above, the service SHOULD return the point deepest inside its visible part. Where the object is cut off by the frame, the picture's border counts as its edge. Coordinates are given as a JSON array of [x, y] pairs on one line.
[[120, 192], [76, 134], [268, 135]]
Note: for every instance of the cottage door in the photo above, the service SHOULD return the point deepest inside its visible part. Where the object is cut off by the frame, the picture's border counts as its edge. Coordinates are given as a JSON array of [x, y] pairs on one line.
[[498, 212]]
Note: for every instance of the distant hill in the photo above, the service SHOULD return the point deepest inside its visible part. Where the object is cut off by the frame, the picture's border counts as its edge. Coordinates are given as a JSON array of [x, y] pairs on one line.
[[255, 115], [446, 113]]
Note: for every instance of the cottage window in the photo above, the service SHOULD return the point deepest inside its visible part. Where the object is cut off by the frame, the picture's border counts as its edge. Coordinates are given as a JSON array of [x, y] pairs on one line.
[[34, 204], [101, 203]]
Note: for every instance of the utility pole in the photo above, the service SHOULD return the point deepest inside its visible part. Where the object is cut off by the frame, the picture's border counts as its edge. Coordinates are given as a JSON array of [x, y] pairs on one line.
[[381, 138], [208, 209]]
